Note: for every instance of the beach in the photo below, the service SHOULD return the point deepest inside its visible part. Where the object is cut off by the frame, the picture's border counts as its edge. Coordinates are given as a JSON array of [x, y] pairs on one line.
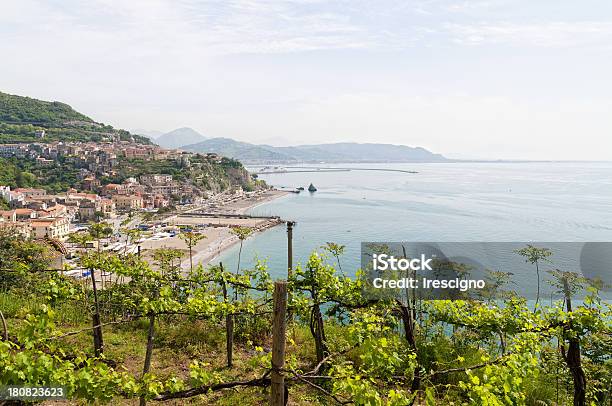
[[216, 226]]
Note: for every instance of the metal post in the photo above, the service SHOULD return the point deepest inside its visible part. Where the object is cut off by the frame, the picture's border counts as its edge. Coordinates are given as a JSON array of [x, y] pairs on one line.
[[290, 225]]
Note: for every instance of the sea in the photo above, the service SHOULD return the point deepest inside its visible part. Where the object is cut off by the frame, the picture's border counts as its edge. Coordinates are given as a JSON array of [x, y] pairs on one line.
[[468, 201]]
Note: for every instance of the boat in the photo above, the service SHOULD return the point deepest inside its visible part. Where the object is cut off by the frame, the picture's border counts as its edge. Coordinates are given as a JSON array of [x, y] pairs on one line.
[[311, 188], [300, 188]]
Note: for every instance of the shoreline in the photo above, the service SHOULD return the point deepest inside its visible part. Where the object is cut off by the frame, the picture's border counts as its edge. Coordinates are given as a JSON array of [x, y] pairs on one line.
[[222, 244], [217, 230]]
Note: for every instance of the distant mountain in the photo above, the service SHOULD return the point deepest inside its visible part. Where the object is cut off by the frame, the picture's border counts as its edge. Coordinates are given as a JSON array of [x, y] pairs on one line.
[[339, 152], [370, 152], [22, 118], [234, 149], [179, 137]]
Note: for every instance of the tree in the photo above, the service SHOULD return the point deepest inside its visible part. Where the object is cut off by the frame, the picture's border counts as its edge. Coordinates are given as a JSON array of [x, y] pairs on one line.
[[19, 179], [242, 233], [165, 258], [191, 239], [568, 284], [131, 235], [97, 231], [533, 255], [336, 250], [79, 239], [20, 253]]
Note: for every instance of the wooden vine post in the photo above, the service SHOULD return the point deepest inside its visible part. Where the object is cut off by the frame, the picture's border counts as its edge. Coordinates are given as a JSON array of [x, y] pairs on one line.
[[279, 329], [149, 354], [96, 321], [229, 323]]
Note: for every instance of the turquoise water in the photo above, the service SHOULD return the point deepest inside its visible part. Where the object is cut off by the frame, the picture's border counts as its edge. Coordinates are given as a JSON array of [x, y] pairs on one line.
[[442, 202]]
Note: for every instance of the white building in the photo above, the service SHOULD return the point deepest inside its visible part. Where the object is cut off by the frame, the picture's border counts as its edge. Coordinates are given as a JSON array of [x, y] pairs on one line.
[[9, 195], [155, 179], [9, 150], [55, 228], [5, 193]]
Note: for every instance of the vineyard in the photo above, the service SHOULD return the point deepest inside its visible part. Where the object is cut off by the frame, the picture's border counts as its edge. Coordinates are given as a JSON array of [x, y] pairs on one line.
[[156, 333]]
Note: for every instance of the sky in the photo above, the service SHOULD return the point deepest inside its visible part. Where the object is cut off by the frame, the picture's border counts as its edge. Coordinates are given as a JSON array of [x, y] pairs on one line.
[[489, 79]]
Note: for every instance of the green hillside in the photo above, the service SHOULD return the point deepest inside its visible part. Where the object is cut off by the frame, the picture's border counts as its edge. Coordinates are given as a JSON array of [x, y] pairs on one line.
[[24, 172], [21, 117], [18, 109]]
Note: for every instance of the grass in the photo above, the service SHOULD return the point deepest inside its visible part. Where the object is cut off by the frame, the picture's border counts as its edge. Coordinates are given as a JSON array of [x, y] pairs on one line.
[[178, 342]]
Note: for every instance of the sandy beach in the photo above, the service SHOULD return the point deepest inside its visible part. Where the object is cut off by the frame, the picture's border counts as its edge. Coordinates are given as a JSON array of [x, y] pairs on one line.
[[216, 229]]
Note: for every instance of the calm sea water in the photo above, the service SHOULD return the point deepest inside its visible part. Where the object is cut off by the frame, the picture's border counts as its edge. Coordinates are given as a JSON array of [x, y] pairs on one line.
[[442, 202]]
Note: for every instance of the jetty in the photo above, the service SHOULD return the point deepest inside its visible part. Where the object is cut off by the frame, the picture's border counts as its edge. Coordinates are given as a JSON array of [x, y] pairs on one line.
[[332, 169], [204, 214], [312, 169], [301, 171]]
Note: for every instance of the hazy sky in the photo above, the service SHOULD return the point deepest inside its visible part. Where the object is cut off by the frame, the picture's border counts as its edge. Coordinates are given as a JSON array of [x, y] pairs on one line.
[[527, 79]]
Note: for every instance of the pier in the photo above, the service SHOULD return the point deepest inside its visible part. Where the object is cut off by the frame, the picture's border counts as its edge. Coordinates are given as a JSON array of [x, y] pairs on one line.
[[227, 215], [310, 169]]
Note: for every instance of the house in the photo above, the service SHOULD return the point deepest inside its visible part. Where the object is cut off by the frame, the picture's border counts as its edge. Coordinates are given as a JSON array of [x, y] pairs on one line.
[[78, 196], [39, 133], [107, 207], [160, 201], [11, 196], [9, 216], [88, 210], [134, 153], [6, 194], [55, 228], [57, 210], [14, 198], [25, 214], [127, 203], [19, 227], [166, 190], [44, 161], [37, 205], [155, 179], [113, 189], [90, 183], [49, 200], [29, 193], [9, 150]]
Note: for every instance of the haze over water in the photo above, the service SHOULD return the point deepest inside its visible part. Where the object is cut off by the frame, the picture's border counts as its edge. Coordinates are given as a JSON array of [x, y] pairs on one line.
[[442, 202]]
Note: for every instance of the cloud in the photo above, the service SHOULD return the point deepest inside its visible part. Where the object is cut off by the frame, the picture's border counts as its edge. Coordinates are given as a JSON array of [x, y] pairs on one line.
[[559, 34], [415, 71], [213, 28]]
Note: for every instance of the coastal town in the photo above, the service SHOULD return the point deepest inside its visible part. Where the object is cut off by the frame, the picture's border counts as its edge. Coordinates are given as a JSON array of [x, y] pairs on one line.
[[158, 205], [306, 203]]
